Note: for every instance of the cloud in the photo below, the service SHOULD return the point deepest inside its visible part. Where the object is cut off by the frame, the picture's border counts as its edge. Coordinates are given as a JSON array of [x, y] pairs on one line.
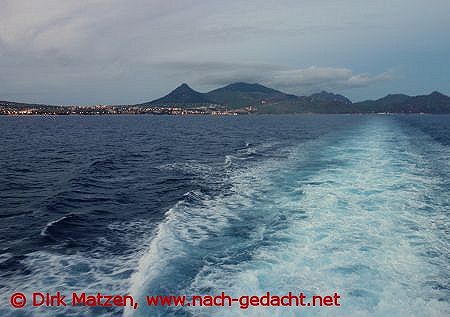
[[91, 51], [216, 73], [301, 81], [315, 78]]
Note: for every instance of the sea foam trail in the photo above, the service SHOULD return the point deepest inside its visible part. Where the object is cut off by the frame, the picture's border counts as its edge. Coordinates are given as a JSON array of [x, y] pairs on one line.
[[361, 213]]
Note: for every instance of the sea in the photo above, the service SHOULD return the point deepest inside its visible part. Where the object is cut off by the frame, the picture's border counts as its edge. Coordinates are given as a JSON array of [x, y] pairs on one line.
[[185, 205]]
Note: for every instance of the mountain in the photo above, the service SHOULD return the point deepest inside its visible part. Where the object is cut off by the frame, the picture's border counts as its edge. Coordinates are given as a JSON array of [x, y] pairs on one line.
[[243, 94], [265, 99], [269, 100], [328, 97], [322, 102], [181, 95], [236, 95], [435, 102]]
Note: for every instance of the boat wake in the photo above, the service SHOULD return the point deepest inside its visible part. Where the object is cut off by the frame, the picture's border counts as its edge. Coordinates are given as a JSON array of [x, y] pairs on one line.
[[361, 213]]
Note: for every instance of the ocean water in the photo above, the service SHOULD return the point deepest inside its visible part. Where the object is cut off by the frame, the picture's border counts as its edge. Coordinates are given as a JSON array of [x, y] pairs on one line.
[[354, 204]]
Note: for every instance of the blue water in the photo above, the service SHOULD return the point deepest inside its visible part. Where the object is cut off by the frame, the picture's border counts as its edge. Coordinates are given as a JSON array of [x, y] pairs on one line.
[[357, 205]]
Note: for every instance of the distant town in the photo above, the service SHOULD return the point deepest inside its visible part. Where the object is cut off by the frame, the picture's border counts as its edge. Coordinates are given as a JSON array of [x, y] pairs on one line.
[[15, 109], [243, 99]]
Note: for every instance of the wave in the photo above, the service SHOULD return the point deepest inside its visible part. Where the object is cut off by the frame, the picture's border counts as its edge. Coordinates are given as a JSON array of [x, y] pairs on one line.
[[59, 225], [341, 214], [101, 269]]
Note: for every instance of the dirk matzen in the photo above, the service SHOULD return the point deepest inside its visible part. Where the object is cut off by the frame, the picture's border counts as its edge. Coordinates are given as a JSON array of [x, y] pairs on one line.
[[83, 299]]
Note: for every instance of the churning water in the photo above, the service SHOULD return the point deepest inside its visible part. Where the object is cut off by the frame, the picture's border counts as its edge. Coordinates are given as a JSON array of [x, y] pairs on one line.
[[168, 205]]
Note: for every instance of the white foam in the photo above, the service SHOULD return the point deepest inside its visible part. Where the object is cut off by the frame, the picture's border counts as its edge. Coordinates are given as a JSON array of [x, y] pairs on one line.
[[353, 213], [52, 223], [364, 235], [75, 272]]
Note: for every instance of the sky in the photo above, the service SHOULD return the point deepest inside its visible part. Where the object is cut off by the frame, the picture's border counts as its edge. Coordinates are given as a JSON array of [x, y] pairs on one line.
[[131, 51]]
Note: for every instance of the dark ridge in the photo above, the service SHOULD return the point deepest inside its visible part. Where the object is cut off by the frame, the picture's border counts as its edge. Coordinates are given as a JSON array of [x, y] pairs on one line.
[[183, 94], [268, 100]]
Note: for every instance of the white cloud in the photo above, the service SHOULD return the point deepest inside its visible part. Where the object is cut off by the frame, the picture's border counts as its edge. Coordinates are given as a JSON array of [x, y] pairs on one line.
[[315, 78], [299, 81]]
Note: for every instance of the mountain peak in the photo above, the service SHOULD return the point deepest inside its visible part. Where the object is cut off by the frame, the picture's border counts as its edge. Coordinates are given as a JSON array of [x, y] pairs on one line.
[[184, 86], [183, 94], [241, 94], [437, 94], [248, 87], [325, 96]]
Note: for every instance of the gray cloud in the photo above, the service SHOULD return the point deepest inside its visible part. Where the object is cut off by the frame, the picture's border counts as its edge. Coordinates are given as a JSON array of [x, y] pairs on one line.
[[90, 51], [301, 81], [314, 78]]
